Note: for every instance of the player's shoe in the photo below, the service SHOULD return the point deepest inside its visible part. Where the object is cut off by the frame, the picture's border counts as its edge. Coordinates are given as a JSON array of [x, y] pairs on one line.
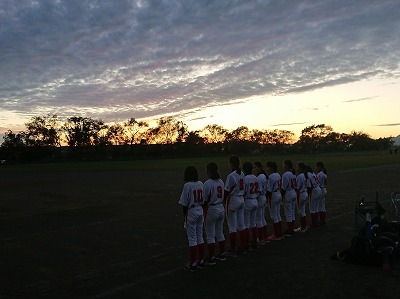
[[288, 234], [220, 257], [274, 238], [200, 266], [243, 251], [210, 262], [255, 246], [262, 242], [190, 268], [230, 253], [297, 230]]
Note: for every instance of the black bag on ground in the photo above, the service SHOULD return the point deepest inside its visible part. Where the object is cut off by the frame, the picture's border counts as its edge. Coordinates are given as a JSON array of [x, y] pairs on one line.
[[362, 252]]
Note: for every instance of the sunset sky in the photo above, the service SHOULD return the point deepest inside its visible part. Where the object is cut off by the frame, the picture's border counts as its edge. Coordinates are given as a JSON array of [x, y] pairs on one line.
[[279, 64]]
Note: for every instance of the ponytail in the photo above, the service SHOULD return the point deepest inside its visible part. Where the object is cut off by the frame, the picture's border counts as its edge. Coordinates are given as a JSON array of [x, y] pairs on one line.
[[213, 169]]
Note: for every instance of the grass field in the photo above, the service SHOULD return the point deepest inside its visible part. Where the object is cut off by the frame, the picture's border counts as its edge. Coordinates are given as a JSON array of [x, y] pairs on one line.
[[114, 230], [336, 161]]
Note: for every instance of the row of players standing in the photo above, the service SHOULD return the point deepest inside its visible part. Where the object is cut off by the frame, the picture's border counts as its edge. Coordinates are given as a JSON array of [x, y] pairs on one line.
[[244, 199]]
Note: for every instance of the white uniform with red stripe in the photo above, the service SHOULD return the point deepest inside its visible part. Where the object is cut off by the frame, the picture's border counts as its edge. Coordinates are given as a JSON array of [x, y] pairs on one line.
[[262, 201], [192, 198], [252, 191], [323, 180], [302, 194], [289, 198], [215, 215], [234, 184], [273, 187], [316, 192]]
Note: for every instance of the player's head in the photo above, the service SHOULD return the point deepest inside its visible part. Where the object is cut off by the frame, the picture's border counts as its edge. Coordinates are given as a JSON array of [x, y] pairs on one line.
[[288, 165], [308, 169], [272, 166], [234, 161], [191, 174], [301, 167], [212, 171], [247, 168], [319, 166], [258, 168]]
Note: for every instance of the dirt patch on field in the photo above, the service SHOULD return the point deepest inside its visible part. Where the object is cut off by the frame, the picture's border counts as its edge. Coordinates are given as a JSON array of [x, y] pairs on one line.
[[119, 234]]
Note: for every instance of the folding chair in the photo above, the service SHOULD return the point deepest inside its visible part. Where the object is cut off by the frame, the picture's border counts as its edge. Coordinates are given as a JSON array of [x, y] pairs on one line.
[[364, 210], [395, 203]]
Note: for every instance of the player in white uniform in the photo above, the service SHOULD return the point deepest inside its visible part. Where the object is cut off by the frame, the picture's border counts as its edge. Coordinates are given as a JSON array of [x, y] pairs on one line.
[[314, 193], [192, 200], [215, 214], [288, 190], [323, 181], [262, 203], [274, 198], [252, 191], [234, 205], [302, 196]]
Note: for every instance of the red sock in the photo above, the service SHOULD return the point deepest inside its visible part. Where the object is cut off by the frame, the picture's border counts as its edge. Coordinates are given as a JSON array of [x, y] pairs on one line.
[[211, 250], [322, 217], [303, 221], [280, 228], [254, 235], [233, 240], [260, 234], [201, 249], [314, 219], [242, 236], [265, 232], [192, 255], [221, 247], [276, 229]]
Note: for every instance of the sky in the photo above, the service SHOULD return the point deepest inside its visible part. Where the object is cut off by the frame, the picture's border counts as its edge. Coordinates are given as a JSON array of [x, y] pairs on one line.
[[278, 64]]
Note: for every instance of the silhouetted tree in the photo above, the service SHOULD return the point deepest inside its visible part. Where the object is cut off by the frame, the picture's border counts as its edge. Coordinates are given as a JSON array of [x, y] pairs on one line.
[[168, 130], [360, 141], [193, 137], [384, 143], [134, 131], [43, 131], [213, 133], [312, 137], [82, 131], [241, 133], [113, 135], [12, 140]]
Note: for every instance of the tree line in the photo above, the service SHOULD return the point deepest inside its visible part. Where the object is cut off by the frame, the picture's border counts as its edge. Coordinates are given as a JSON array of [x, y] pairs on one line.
[[77, 134]]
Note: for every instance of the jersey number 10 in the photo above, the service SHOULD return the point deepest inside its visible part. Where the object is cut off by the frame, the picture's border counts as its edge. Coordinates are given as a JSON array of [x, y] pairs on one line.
[[198, 196]]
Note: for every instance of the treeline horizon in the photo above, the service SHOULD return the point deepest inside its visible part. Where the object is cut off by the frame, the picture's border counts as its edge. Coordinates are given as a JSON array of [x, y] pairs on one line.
[[84, 136]]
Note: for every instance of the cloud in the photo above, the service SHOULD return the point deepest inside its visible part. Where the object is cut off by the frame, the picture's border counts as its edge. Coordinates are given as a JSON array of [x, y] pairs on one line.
[[359, 100], [388, 125], [289, 124], [120, 59]]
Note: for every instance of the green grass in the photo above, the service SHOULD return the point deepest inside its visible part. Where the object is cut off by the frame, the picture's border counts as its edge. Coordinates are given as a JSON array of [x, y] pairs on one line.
[[332, 161]]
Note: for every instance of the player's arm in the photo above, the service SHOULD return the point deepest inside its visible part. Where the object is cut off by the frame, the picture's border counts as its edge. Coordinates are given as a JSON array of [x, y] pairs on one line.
[[226, 194], [229, 185], [268, 189], [184, 200], [207, 194], [283, 188]]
